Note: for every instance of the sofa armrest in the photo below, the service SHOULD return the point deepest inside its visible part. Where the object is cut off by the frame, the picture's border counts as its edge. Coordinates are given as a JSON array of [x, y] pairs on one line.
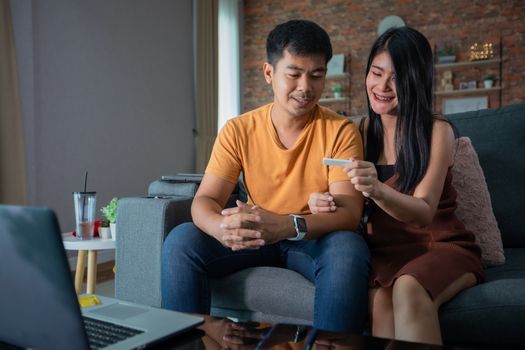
[[170, 188], [143, 223]]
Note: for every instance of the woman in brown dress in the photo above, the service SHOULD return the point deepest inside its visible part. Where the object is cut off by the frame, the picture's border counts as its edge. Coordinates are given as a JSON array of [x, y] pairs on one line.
[[422, 255]]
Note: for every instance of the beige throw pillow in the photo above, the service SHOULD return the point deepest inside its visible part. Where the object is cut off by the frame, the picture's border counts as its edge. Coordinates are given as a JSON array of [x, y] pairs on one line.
[[474, 205]]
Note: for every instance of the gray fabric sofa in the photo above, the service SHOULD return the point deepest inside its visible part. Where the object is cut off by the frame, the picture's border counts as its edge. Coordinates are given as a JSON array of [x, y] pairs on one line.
[[489, 313]]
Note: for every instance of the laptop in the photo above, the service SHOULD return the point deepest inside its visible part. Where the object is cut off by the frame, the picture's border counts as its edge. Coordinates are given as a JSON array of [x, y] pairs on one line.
[[38, 304]]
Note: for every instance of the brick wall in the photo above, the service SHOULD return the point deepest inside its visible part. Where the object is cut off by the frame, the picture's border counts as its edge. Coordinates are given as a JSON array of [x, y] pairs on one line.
[[352, 26]]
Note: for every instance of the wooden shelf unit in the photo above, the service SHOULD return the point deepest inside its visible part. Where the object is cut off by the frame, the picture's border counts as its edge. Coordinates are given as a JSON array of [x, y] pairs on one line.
[[492, 64], [467, 91], [456, 65], [339, 104]]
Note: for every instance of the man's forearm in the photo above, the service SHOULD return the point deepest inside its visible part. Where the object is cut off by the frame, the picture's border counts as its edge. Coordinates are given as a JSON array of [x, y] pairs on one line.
[[206, 215], [346, 217]]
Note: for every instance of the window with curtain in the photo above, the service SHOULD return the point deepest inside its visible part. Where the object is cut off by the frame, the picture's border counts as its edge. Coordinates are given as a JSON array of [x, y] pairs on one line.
[[12, 160], [229, 61], [217, 67]]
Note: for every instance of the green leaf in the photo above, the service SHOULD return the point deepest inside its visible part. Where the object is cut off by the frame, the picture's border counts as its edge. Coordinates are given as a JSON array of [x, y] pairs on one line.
[[110, 210]]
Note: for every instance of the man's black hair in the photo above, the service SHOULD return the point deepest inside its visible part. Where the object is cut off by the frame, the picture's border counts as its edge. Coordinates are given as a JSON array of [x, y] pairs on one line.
[[299, 37]]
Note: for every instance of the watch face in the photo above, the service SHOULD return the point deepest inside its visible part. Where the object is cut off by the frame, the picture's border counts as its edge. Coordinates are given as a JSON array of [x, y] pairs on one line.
[[300, 224]]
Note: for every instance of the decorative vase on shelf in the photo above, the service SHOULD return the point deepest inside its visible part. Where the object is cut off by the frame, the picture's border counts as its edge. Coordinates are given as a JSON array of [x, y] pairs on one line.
[[110, 212], [488, 83], [113, 227], [338, 89], [104, 232]]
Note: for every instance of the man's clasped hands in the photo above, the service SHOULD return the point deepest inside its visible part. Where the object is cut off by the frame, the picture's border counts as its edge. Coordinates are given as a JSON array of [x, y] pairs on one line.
[[251, 227]]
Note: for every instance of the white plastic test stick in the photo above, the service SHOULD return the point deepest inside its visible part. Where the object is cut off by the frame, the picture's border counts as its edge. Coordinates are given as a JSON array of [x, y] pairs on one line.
[[336, 162]]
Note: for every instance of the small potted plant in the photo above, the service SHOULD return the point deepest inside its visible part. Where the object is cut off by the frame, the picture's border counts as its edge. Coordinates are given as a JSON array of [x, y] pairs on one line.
[[103, 229], [110, 213], [337, 89], [446, 53], [488, 81]]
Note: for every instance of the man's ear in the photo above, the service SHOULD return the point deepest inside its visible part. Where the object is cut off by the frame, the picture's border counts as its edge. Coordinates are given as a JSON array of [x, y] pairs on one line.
[[268, 72]]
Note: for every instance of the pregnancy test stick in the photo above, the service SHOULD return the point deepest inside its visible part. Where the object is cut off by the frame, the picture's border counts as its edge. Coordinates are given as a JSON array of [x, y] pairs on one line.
[[336, 162]]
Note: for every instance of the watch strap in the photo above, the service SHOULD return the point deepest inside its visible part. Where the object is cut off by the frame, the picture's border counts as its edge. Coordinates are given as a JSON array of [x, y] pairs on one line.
[[300, 227]]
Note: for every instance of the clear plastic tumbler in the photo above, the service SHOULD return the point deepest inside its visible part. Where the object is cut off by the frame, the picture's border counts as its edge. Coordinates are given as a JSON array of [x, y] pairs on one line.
[[85, 208]]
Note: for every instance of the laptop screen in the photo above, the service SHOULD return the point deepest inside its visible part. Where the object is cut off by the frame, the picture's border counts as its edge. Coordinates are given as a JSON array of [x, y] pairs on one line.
[[38, 304]]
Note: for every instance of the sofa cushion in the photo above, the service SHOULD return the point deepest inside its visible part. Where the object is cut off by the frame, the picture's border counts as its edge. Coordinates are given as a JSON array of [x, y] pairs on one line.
[[270, 289], [492, 312], [474, 205], [498, 137], [514, 266]]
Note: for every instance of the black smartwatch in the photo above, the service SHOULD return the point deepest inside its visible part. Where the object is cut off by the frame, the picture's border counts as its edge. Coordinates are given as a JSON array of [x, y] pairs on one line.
[[300, 227]]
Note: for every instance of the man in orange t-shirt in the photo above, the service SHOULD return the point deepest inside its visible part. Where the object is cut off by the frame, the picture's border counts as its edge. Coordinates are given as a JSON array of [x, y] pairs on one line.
[[279, 149]]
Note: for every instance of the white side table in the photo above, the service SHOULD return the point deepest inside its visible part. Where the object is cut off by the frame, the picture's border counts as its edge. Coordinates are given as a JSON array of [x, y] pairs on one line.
[[89, 247]]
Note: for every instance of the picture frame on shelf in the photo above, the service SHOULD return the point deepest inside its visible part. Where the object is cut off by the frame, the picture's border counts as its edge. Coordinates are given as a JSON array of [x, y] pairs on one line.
[[336, 66], [472, 84], [458, 105], [463, 85]]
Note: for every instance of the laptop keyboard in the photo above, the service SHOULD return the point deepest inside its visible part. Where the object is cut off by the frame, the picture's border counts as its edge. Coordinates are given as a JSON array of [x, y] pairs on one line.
[[101, 333]]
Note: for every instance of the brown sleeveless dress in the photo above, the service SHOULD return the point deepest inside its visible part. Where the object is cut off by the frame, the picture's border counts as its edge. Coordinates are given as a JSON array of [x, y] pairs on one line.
[[435, 255]]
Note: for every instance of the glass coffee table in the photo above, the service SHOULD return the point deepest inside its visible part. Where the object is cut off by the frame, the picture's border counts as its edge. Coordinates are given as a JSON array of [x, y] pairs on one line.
[[89, 248], [222, 333]]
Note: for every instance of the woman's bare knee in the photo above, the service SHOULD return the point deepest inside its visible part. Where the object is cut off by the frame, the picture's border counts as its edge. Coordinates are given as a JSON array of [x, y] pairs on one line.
[[415, 315], [409, 296], [381, 312]]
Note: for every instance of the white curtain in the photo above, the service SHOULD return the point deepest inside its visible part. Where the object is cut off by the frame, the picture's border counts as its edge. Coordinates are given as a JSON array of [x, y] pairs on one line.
[[205, 60], [229, 61], [12, 160]]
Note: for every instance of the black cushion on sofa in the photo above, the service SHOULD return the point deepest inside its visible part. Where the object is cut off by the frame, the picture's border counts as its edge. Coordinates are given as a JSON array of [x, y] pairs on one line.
[[499, 303]]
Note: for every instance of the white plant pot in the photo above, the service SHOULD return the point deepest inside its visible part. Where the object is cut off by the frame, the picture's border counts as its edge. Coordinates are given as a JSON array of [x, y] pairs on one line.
[[104, 232], [113, 228], [338, 94], [488, 83]]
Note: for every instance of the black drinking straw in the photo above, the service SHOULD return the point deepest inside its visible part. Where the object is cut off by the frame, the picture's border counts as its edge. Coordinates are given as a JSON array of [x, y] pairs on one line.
[[85, 181], [84, 197]]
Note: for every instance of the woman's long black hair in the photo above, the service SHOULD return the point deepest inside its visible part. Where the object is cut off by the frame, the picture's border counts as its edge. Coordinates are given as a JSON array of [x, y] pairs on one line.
[[413, 65]]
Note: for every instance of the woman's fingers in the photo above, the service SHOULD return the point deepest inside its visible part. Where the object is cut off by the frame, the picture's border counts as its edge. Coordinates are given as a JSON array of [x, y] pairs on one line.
[[364, 185], [363, 175]]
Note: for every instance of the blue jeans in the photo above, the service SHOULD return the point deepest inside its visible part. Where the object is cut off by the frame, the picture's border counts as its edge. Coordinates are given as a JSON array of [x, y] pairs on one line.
[[338, 264]]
